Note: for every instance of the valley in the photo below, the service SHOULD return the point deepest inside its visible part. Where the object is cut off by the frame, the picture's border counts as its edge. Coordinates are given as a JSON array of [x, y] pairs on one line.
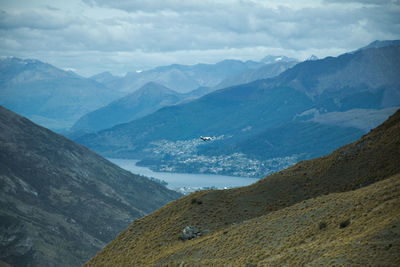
[[268, 162], [182, 156], [185, 183], [266, 125]]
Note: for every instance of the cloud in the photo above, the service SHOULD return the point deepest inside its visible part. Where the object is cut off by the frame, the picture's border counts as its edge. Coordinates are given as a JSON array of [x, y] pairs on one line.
[[129, 35], [156, 5], [373, 2], [33, 19]]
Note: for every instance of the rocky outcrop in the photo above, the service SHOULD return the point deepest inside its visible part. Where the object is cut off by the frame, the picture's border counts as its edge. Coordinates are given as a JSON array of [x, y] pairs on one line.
[[190, 232]]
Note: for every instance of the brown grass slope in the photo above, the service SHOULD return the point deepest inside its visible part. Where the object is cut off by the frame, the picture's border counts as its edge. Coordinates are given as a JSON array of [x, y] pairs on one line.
[[360, 227], [153, 240]]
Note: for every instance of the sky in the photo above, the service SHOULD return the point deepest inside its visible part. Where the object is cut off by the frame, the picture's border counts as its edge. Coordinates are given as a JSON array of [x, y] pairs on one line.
[[92, 36]]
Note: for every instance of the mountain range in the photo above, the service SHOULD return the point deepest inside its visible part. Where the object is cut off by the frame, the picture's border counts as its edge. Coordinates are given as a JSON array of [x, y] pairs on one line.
[[57, 99], [155, 95], [60, 202], [184, 78], [266, 125], [340, 209], [48, 95]]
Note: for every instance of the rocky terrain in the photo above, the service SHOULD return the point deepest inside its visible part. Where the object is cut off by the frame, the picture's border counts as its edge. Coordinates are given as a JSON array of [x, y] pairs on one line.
[[341, 209], [60, 202]]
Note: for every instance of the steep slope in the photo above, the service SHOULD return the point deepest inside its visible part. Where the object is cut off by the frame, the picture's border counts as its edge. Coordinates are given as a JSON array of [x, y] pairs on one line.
[[237, 116], [47, 95], [144, 101], [60, 202], [368, 78], [379, 44], [269, 223], [184, 78]]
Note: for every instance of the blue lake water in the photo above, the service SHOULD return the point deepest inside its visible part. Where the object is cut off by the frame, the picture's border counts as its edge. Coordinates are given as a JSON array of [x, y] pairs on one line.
[[187, 180]]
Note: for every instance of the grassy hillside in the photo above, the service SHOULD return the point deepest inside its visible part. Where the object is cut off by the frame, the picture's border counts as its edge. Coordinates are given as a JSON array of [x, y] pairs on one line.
[[320, 212]]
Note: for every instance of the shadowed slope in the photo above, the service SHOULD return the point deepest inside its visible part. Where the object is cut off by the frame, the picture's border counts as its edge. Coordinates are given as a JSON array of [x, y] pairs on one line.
[[60, 202], [154, 238]]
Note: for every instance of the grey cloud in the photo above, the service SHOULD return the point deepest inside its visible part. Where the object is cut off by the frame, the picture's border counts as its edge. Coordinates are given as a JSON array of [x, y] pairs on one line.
[[45, 20], [161, 32], [157, 5], [374, 2]]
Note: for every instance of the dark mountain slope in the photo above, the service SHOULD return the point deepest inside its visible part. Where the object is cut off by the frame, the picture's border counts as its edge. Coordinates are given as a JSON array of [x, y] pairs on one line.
[[59, 201], [296, 137], [370, 73], [379, 44], [49, 96], [154, 239], [225, 112], [144, 101]]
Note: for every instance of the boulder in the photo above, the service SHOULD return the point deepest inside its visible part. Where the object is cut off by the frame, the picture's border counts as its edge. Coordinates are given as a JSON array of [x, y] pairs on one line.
[[190, 232]]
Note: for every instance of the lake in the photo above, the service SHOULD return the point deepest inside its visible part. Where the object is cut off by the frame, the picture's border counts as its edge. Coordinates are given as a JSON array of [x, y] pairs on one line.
[[189, 181]]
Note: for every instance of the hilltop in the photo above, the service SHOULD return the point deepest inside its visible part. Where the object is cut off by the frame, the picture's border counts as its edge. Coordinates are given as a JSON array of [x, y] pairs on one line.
[[339, 209]]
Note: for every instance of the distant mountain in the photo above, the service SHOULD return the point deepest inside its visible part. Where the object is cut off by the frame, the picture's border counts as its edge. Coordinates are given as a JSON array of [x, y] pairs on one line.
[[104, 77], [47, 95], [267, 71], [60, 202], [275, 59], [143, 102], [368, 79], [146, 100], [312, 57], [380, 44], [342, 208], [184, 78], [266, 109]]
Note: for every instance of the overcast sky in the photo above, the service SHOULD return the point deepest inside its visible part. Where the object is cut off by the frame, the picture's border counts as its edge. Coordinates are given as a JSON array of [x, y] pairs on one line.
[[91, 36]]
